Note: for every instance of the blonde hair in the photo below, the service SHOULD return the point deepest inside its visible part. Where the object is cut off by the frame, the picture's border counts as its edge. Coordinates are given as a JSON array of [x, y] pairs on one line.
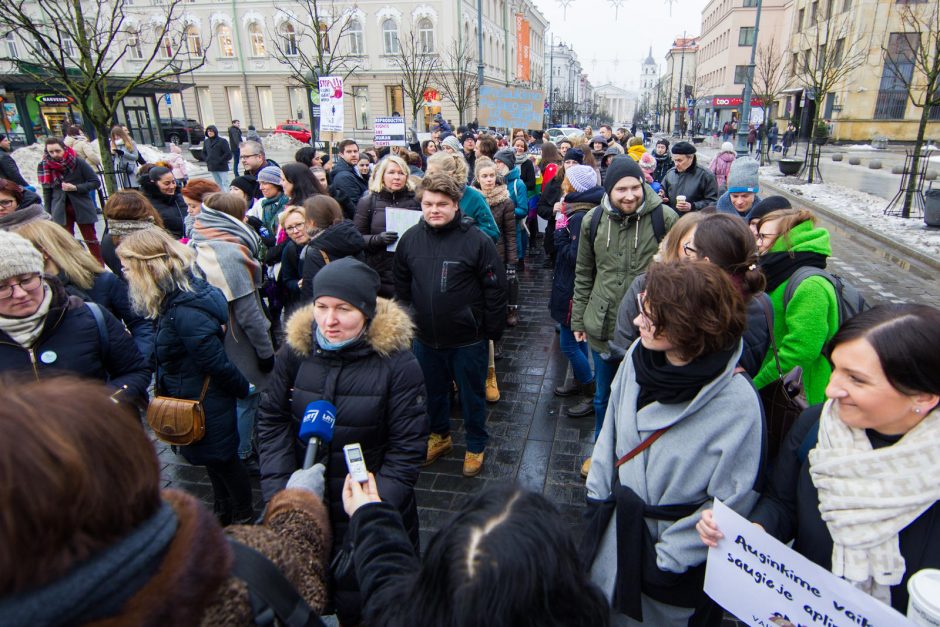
[[155, 265], [450, 163], [290, 210], [482, 162], [72, 259], [377, 183], [118, 131], [789, 218]]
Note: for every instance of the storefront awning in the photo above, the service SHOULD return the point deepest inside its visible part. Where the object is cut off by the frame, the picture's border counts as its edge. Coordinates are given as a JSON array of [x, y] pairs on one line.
[[38, 82]]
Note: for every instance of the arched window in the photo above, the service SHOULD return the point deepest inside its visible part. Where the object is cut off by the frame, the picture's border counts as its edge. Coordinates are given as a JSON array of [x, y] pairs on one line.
[[256, 38], [193, 40], [134, 50], [390, 36], [356, 40], [226, 43], [426, 36], [290, 39], [324, 37], [166, 45]]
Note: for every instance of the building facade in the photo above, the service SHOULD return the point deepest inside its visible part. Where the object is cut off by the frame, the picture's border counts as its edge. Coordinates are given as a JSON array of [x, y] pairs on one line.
[[680, 85], [649, 76], [620, 104], [567, 87]]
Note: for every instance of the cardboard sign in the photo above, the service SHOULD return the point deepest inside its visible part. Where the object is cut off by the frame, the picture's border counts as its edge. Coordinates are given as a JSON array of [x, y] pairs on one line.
[[389, 132], [764, 583], [510, 107], [331, 104]]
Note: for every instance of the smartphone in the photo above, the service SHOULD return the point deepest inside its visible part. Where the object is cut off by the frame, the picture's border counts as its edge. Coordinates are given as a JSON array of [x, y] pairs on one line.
[[356, 463]]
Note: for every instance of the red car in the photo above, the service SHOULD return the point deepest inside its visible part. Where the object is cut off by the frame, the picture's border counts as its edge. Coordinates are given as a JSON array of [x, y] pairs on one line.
[[300, 132]]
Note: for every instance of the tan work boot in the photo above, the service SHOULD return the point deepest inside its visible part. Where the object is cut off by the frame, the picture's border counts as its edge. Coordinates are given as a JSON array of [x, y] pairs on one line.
[[492, 391], [585, 468], [437, 445], [472, 464]]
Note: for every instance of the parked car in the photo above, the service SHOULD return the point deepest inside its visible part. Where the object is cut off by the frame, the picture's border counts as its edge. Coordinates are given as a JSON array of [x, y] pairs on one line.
[[555, 135], [300, 132], [182, 130]]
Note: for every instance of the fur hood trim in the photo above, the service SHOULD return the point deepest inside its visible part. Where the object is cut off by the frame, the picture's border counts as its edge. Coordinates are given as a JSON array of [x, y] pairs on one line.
[[390, 331]]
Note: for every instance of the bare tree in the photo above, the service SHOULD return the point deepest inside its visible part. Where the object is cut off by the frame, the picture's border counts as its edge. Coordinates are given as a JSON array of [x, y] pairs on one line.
[[417, 65], [769, 81], [826, 59], [914, 66], [319, 42], [97, 53], [457, 76]]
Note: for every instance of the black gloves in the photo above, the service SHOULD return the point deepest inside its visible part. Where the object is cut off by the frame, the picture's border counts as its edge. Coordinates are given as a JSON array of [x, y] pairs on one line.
[[384, 239]]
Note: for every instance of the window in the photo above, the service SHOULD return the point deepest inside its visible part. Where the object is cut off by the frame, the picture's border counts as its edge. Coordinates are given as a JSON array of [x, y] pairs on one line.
[[12, 50], [934, 113], [166, 47], [204, 104], [395, 98], [361, 108], [356, 42], [749, 3], [68, 46], [740, 74], [290, 39], [840, 49], [896, 76], [426, 36], [801, 14], [236, 109], [821, 59], [226, 43], [134, 50], [814, 11], [297, 97], [193, 41], [324, 37], [266, 104], [847, 5], [390, 36], [746, 36], [256, 37], [829, 8], [795, 64]]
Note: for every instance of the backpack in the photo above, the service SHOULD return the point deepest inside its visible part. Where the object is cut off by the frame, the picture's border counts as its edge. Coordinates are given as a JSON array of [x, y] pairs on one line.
[[851, 302], [656, 215]]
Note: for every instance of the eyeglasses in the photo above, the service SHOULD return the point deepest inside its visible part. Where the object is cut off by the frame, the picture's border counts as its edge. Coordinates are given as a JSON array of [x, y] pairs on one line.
[[27, 285], [243, 157], [641, 307], [762, 236], [7, 203], [294, 227], [689, 251]]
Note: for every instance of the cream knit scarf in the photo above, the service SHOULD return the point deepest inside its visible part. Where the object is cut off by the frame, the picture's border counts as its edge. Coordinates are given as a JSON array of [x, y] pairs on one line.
[[866, 496], [25, 331]]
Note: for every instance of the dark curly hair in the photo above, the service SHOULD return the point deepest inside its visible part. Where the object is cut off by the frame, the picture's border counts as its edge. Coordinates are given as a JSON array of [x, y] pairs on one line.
[[695, 306]]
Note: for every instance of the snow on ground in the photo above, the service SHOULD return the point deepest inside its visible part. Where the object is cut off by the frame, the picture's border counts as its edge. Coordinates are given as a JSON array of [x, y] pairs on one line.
[[855, 147], [281, 142]]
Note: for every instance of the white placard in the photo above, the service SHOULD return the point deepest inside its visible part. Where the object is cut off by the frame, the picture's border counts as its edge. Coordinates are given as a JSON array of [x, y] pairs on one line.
[[389, 132], [764, 583], [398, 221], [331, 104]]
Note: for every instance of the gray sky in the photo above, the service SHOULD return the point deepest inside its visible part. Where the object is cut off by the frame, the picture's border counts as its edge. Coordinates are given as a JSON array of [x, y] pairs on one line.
[[619, 45]]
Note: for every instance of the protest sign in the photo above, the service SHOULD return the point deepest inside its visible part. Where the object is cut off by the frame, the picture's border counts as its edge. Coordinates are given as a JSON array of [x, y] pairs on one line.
[[331, 104], [765, 583], [389, 132], [510, 107], [398, 221]]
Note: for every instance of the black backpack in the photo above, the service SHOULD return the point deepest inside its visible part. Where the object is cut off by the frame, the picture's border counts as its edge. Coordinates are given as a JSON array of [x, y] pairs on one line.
[[851, 302], [656, 215]]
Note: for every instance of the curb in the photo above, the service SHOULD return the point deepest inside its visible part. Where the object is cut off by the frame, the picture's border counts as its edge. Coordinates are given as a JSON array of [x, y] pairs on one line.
[[899, 249]]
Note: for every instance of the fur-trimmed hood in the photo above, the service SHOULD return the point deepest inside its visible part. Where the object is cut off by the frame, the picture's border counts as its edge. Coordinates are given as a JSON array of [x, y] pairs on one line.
[[390, 331]]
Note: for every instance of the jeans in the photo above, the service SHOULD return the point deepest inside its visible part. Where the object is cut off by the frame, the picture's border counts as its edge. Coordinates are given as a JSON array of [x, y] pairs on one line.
[[522, 240], [223, 179], [236, 159], [604, 372], [246, 408], [577, 354], [467, 366]]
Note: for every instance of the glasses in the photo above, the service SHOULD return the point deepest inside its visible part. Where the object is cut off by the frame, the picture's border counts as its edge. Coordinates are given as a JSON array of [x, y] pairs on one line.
[[243, 157], [294, 227], [689, 251], [762, 236], [7, 203], [641, 305], [27, 285]]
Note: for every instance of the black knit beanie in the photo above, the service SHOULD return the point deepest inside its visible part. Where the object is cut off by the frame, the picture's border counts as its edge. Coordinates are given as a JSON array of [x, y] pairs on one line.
[[621, 166], [246, 183], [350, 280], [765, 206]]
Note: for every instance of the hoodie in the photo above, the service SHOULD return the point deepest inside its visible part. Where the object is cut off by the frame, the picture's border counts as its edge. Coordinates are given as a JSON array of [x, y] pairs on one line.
[[338, 241]]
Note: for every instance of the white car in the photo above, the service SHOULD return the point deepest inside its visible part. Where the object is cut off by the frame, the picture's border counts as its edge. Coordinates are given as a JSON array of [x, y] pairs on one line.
[[555, 135]]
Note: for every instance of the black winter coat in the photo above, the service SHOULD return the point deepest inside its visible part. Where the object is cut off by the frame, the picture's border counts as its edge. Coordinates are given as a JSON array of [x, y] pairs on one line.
[[697, 184], [85, 179], [789, 509], [172, 209], [292, 267], [527, 174], [9, 170], [663, 165], [347, 187], [338, 241], [566, 252], [370, 221], [70, 342], [189, 347], [217, 152], [454, 281]]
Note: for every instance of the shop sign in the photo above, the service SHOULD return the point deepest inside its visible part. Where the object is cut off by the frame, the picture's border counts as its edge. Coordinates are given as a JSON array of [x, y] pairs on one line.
[[54, 99], [734, 101], [431, 95]]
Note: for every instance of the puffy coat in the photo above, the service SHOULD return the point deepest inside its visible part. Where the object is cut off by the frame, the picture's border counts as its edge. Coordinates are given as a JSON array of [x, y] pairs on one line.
[[370, 221], [9, 170], [172, 209], [347, 187], [188, 348], [577, 204], [504, 213], [720, 166], [217, 151], [697, 185], [292, 267], [454, 281], [337, 241], [473, 205], [70, 342], [84, 178], [84, 149]]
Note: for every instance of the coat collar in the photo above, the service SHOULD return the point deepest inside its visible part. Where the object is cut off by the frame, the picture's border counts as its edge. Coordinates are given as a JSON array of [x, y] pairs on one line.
[[390, 331]]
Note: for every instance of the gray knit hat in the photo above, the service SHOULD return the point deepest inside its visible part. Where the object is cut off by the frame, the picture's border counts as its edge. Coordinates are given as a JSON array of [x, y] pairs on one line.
[[453, 143], [506, 156], [18, 256], [350, 280], [581, 177], [271, 174], [743, 176]]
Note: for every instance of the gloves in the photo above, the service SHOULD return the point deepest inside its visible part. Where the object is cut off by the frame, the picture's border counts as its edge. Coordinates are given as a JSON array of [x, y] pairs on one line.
[[311, 479], [385, 238], [266, 364]]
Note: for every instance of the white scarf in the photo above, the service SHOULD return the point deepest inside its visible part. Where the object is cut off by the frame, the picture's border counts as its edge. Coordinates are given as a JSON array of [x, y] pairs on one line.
[[866, 496], [25, 331]]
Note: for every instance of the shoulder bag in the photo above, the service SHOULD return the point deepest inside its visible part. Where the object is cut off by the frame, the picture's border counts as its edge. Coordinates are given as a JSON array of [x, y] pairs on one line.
[[178, 421], [783, 399]]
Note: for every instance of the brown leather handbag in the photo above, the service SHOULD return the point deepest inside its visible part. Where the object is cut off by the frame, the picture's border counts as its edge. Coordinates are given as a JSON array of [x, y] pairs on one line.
[[178, 421]]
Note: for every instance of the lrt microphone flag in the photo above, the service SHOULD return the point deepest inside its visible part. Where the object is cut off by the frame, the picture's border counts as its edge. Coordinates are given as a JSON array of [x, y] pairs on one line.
[[317, 427]]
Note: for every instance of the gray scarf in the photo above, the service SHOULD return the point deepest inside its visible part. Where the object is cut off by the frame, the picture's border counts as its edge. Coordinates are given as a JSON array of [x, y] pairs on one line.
[[23, 216], [521, 158], [226, 253], [25, 331]]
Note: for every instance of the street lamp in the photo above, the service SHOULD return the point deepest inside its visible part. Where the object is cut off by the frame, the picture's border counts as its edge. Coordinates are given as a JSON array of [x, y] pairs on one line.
[[746, 97]]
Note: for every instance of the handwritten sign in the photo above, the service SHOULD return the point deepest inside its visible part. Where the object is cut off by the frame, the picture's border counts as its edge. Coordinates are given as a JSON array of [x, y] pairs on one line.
[[765, 583], [389, 132], [510, 107], [398, 221], [331, 104]]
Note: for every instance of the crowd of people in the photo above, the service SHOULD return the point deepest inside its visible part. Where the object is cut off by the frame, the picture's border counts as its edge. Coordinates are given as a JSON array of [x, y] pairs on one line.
[[685, 303]]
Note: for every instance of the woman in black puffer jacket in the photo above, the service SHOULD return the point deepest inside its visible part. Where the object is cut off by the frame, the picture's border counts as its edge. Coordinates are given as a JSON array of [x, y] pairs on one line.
[[331, 238], [353, 350], [160, 187], [389, 187]]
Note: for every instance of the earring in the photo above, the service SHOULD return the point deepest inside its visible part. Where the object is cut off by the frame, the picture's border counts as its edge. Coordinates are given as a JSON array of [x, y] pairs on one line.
[[917, 410]]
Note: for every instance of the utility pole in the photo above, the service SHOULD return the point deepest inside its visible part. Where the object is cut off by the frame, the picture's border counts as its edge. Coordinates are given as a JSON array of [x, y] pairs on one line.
[[678, 128], [479, 43], [745, 119], [551, 80]]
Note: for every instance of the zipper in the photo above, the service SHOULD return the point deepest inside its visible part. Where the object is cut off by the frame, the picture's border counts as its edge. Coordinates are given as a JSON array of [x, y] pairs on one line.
[[32, 360]]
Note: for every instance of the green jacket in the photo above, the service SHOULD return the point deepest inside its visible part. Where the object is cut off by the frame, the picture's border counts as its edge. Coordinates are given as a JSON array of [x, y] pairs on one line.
[[622, 249], [809, 322]]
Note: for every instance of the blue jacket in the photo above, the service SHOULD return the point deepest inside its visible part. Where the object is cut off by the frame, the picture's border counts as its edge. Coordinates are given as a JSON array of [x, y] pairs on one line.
[[566, 252], [188, 347], [473, 205], [724, 206], [517, 191]]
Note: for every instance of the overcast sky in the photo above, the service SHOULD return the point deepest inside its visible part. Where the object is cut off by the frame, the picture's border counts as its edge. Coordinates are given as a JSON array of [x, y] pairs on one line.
[[611, 49]]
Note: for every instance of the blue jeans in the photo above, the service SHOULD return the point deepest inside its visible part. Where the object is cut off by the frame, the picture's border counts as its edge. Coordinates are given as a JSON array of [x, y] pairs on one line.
[[577, 354], [467, 366], [223, 179], [245, 409], [604, 372]]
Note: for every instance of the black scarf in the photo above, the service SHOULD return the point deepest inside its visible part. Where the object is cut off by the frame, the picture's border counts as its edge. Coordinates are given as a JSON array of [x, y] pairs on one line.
[[778, 267], [661, 381]]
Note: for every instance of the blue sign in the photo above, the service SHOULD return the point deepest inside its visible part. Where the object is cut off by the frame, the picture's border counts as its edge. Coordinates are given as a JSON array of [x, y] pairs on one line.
[[167, 99], [505, 107]]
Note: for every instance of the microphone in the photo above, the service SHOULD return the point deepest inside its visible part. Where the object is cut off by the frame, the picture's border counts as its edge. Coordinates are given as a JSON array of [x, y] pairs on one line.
[[317, 428]]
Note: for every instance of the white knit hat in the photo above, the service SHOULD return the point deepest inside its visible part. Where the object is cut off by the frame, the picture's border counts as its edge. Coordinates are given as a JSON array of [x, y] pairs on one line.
[[581, 177], [18, 256]]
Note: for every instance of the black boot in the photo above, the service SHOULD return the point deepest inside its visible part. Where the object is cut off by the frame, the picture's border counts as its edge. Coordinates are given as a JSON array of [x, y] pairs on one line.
[[222, 508], [586, 407], [568, 389], [245, 517]]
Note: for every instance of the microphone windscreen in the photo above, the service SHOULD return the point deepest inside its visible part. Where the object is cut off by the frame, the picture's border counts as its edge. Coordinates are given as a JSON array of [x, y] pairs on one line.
[[319, 419]]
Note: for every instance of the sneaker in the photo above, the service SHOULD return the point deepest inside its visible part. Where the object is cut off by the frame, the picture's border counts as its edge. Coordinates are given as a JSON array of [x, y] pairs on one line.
[[492, 391], [568, 389], [437, 445], [585, 468], [472, 464]]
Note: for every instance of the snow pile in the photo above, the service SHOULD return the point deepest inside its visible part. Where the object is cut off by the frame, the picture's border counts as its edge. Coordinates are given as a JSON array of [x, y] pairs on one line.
[[151, 155], [27, 160], [866, 210], [280, 142], [860, 147]]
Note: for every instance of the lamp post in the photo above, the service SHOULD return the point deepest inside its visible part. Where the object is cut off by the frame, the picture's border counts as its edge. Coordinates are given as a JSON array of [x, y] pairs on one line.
[[745, 119], [678, 129], [479, 43], [551, 80]]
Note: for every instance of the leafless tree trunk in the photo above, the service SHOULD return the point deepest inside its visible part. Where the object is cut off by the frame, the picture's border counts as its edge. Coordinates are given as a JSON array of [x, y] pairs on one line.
[[417, 66], [457, 76], [769, 79]]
